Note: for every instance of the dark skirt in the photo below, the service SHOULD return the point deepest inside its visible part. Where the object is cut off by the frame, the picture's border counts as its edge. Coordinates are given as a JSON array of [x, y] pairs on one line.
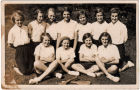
[[117, 74], [77, 51], [53, 42], [34, 44], [121, 49], [87, 65], [24, 58]]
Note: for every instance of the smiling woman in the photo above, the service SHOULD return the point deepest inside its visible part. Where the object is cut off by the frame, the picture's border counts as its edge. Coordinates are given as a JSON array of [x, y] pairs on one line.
[[109, 57], [18, 39]]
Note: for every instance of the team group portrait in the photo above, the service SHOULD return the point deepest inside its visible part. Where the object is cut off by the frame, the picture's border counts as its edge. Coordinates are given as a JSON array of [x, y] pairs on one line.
[[70, 44]]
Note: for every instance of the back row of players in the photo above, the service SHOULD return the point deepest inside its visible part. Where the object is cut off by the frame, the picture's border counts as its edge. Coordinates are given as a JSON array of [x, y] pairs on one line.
[[83, 36]]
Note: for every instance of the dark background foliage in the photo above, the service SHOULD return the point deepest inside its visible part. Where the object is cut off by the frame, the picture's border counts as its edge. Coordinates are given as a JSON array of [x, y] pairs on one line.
[[127, 12]]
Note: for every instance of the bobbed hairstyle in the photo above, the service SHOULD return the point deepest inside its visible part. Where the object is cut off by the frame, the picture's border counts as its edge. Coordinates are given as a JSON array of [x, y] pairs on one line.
[[87, 35], [81, 12], [105, 34], [18, 13], [44, 35], [36, 13], [115, 10], [67, 9], [98, 10]]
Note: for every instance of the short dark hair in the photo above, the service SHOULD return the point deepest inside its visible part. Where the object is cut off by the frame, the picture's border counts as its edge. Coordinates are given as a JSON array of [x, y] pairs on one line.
[[67, 9], [98, 10], [115, 10], [36, 13], [46, 34], [81, 12], [87, 35], [17, 13], [106, 35]]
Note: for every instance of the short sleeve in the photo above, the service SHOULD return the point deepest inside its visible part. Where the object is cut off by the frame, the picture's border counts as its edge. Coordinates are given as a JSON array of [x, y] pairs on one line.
[[37, 50], [57, 26], [48, 29], [107, 25], [99, 51], [125, 33], [116, 52], [52, 49], [72, 54], [10, 37], [81, 51], [77, 28], [94, 49], [58, 53]]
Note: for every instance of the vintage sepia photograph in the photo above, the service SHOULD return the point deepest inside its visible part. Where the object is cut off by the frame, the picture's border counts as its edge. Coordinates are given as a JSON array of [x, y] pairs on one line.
[[69, 44]]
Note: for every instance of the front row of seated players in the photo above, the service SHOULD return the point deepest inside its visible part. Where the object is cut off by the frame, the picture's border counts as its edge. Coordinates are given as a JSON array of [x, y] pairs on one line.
[[106, 58], [46, 63]]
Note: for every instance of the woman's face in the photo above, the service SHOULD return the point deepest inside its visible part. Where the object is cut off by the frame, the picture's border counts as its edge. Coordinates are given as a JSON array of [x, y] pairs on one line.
[[88, 42], [66, 16], [83, 19], [51, 16], [99, 17], [40, 17], [46, 41], [114, 17], [66, 44], [18, 21], [105, 41]]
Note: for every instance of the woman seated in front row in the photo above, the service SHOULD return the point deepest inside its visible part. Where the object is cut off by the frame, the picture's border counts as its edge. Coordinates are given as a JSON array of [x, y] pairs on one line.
[[108, 57]]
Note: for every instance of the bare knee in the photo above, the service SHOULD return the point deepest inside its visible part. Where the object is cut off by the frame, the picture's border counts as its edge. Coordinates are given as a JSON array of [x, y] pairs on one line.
[[96, 68], [74, 66], [113, 69], [37, 64]]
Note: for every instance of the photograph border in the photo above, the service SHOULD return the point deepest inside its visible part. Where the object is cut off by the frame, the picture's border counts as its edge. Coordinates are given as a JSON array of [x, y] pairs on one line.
[[69, 87]]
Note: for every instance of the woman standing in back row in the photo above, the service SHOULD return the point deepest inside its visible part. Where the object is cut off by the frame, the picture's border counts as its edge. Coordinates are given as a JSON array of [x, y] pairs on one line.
[[18, 38], [51, 21], [37, 28], [66, 27], [118, 33], [99, 26], [83, 27]]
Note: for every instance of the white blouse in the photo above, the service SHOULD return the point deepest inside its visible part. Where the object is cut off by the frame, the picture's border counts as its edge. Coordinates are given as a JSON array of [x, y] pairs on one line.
[[82, 29], [88, 52], [118, 32], [98, 28], [44, 52], [18, 36], [108, 52], [37, 31], [64, 55], [66, 29], [52, 31]]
